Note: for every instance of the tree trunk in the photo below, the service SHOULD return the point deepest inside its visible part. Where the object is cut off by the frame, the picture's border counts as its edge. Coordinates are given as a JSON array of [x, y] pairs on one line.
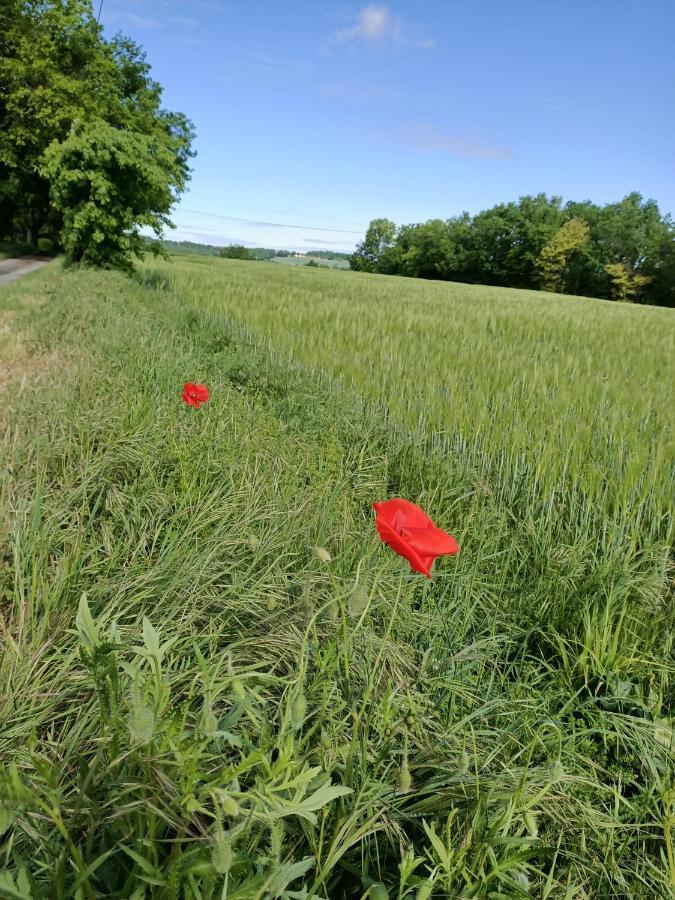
[[33, 225]]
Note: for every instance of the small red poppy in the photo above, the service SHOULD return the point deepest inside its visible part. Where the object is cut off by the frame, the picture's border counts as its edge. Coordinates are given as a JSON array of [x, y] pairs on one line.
[[409, 531], [194, 394]]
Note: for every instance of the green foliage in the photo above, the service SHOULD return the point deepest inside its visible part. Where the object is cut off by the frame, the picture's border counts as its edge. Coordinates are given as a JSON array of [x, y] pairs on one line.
[[48, 53], [328, 254], [534, 243], [235, 251], [9, 249], [557, 256], [107, 183], [215, 680], [371, 254], [625, 284], [81, 124]]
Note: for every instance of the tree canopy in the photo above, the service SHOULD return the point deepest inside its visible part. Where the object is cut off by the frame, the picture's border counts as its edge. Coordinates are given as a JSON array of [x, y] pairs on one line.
[[623, 250], [88, 155]]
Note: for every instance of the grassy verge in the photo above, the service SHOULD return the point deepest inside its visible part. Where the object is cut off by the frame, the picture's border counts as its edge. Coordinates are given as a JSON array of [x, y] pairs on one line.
[[194, 703]]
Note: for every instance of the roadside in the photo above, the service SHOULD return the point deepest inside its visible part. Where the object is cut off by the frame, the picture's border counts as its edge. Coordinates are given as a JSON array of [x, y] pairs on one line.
[[11, 269]]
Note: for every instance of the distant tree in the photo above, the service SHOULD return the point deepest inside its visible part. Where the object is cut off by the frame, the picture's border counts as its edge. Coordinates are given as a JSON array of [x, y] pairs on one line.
[[660, 268], [426, 251], [328, 254], [368, 256], [536, 242], [633, 233], [556, 257], [506, 240], [235, 251], [625, 284]]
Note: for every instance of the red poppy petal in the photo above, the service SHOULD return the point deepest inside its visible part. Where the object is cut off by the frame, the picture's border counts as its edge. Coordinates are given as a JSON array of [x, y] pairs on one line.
[[402, 512], [408, 530], [399, 545], [433, 541]]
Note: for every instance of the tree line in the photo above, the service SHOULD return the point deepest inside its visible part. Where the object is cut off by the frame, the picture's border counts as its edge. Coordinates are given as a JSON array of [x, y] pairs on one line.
[[620, 251], [88, 156]]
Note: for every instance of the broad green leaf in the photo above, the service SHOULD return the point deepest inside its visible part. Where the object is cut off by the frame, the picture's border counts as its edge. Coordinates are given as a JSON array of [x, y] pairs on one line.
[[12, 890], [150, 638], [307, 807], [85, 625], [141, 721], [282, 875]]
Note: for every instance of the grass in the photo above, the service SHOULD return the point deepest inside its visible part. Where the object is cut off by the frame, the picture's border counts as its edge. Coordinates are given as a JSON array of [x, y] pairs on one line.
[[195, 703], [319, 260]]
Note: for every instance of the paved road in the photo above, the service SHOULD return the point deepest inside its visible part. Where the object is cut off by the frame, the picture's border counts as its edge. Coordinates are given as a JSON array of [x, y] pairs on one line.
[[10, 269]]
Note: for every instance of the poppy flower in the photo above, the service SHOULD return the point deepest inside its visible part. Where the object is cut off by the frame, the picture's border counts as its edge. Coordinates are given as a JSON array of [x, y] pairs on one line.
[[409, 531], [194, 394]]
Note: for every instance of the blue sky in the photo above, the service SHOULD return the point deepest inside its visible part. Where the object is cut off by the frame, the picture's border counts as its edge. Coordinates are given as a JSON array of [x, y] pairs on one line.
[[313, 118]]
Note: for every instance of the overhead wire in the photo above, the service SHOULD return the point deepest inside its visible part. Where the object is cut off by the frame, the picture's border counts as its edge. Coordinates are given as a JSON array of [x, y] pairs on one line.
[[211, 215]]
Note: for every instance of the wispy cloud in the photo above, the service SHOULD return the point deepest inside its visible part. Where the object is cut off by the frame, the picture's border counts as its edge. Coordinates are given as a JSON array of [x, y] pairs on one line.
[[255, 69], [312, 241], [426, 137], [146, 16], [355, 91], [378, 27]]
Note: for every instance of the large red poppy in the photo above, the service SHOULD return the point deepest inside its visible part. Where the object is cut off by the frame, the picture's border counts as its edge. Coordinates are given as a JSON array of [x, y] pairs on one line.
[[409, 531], [195, 394]]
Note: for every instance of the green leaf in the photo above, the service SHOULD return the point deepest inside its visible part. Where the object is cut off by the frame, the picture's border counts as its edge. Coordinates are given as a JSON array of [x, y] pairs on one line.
[[150, 638], [86, 628], [438, 845], [282, 875], [144, 864], [141, 721], [11, 890]]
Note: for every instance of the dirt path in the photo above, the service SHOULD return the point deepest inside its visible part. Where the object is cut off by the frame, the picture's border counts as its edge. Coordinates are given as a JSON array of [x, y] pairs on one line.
[[10, 269]]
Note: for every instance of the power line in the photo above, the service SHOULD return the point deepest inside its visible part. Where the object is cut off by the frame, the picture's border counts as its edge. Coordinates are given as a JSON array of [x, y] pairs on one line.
[[198, 212]]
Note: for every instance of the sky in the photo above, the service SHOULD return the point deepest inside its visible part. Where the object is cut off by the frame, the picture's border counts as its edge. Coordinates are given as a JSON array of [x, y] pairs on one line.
[[314, 118]]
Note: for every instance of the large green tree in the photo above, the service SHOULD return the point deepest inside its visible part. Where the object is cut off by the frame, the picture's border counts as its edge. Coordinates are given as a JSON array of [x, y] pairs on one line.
[[81, 128]]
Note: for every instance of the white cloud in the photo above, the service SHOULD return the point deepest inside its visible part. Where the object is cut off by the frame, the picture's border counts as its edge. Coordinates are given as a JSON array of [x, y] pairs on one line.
[[375, 24], [378, 26]]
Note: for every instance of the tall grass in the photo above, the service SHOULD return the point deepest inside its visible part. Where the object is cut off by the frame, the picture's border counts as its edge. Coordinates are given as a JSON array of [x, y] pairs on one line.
[[195, 703]]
